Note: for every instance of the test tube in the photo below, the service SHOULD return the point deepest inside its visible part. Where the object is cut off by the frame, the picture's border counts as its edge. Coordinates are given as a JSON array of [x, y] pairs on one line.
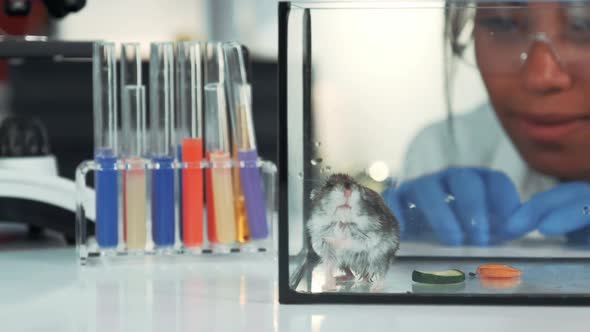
[[213, 73], [106, 147], [240, 93], [162, 145], [217, 142], [243, 230], [134, 147], [249, 170], [189, 133]]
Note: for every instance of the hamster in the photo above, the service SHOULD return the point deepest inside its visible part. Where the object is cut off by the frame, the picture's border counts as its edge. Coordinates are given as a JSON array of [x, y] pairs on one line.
[[352, 229]]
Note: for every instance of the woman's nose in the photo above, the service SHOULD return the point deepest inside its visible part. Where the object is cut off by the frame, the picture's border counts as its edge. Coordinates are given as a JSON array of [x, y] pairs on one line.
[[543, 73]]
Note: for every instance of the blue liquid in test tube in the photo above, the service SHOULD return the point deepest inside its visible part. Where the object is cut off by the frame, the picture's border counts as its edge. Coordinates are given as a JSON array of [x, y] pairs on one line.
[[106, 145], [107, 201], [162, 147], [163, 202]]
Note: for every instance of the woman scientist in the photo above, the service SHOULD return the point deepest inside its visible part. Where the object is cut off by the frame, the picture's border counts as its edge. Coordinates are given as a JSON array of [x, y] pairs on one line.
[[532, 142]]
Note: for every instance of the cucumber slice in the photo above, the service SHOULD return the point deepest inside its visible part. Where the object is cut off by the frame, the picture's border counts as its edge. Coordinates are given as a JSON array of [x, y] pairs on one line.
[[440, 277]]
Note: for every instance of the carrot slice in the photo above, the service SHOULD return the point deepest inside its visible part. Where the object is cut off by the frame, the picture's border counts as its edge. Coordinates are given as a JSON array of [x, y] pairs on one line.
[[498, 271], [499, 283]]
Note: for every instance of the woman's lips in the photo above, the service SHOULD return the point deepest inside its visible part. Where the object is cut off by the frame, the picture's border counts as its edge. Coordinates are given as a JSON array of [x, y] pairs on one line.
[[550, 129]]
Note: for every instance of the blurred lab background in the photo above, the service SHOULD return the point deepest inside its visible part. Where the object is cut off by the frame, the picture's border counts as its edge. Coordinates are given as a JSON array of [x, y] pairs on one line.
[[394, 67], [59, 93], [56, 93]]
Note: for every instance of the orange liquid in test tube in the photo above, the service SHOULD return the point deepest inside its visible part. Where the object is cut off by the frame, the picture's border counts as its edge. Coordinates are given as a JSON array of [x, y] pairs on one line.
[[240, 204], [192, 193]]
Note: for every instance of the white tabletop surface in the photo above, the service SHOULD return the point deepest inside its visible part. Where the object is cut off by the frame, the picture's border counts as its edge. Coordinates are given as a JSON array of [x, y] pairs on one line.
[[44, 289]]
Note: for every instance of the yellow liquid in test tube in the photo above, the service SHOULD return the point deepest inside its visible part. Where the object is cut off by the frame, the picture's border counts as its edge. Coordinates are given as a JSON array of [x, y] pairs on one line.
[[135, 205], [242, 219], [240, 203], [223, 197]]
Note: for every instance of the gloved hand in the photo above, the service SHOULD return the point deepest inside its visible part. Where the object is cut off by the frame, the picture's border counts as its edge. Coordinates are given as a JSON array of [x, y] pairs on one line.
[[458, 206], [562, 210]]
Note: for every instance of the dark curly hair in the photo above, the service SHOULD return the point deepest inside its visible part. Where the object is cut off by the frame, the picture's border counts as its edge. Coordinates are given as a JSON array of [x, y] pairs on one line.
[[458, 32], [459, 18]]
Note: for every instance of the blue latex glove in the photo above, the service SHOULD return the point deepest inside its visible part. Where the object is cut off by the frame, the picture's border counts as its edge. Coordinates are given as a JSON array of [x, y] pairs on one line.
[[562, 210], [457, 206]]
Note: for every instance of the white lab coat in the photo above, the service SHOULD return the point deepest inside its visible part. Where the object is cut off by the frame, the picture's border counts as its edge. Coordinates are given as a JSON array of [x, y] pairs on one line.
[[480, 141]]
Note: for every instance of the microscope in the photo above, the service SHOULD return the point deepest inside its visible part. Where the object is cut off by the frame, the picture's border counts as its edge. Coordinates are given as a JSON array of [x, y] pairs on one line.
[[31, 191]]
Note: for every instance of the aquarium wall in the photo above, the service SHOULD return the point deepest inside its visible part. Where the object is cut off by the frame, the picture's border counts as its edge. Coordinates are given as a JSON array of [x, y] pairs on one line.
[[434, 151]]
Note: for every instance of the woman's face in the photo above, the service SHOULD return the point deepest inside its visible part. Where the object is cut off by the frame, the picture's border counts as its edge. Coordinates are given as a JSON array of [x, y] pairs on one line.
[[535, 63]]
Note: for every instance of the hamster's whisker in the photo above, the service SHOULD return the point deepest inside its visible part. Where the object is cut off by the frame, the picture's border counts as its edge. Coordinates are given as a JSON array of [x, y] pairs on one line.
[[356, 229], [330, 225]]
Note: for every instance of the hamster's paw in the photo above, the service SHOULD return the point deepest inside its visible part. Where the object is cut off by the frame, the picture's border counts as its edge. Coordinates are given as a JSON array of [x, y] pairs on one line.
[[329, 284], [377, 286], [348, 275]]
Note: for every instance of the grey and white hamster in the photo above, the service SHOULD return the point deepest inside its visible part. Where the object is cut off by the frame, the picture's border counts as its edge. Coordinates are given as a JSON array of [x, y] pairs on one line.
[[352, 229]]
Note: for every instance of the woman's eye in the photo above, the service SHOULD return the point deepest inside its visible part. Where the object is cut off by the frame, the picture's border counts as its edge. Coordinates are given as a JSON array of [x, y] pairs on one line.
[[578, 31], [499, 24], [577, 23], [580, 25]]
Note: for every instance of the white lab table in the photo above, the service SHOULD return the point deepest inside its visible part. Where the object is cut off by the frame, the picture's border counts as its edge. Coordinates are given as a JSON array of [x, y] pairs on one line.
[[46, 290]]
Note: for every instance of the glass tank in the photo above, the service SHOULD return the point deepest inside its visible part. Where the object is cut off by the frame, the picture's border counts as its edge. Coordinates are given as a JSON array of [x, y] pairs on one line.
[[434, 152]]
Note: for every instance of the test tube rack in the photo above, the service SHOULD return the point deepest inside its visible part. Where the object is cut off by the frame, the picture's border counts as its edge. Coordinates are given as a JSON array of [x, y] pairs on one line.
[[89, 249], [181, 181]]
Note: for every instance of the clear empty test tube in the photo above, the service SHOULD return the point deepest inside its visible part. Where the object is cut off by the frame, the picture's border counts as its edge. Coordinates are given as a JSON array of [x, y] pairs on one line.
[[133, 148], [213, 73], [162, 122], [190, 140], [106, 147], [217, 142], [243, 132]]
